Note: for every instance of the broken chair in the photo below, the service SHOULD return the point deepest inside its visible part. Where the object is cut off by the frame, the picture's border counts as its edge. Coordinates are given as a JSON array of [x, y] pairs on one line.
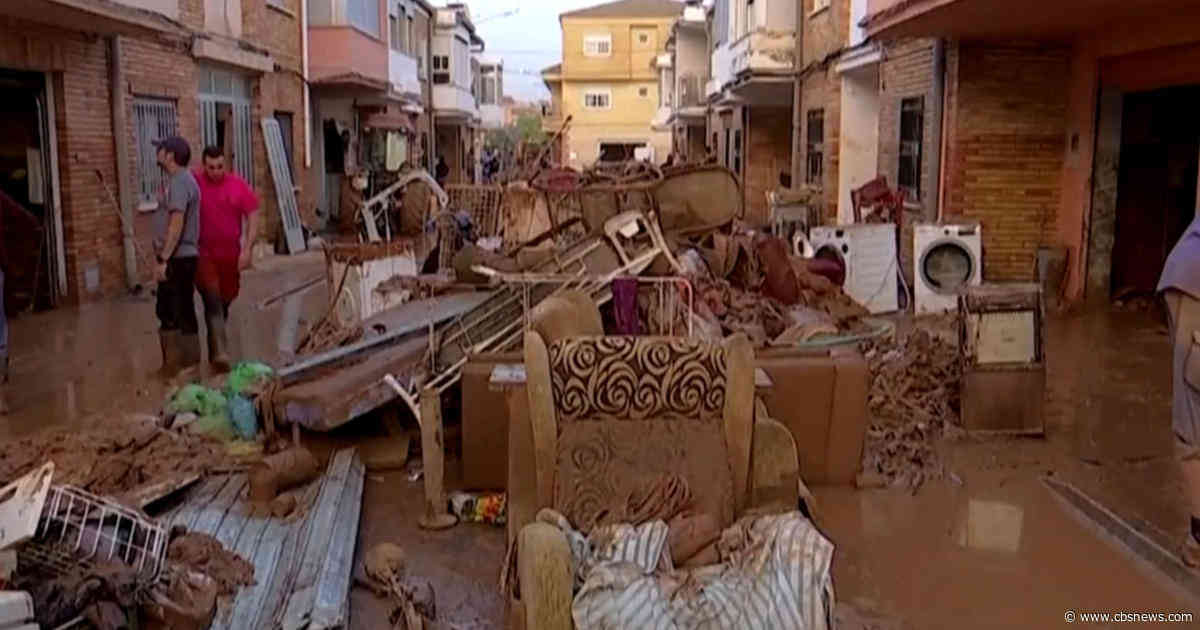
[[608, 413]]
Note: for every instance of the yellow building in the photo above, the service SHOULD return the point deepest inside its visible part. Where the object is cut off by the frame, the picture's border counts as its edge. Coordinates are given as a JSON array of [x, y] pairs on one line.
[[607, 84]]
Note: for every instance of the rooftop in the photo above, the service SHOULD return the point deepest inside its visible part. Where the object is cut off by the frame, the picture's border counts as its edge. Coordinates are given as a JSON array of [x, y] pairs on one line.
[[630, 8]]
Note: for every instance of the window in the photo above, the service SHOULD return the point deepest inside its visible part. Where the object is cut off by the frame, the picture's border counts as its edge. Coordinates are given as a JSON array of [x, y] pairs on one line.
[[364, 15], [912, 133], [816, 146], [488, 95], [441, 69], [643, 38], [597, 99], [643, 91], [597, 45], [728, 147], [819, 5], [721, 22], [153, 119], [409, 41], [737, 151], [396, 33]]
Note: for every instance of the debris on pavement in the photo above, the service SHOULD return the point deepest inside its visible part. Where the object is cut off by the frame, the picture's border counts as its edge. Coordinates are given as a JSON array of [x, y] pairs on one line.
[[490, 508], [914, 402], [414, 604], [111, 462], [206, 555]]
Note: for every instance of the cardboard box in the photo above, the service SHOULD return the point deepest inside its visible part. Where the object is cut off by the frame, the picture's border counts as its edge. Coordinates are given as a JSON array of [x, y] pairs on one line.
[[821, 397], [485, 423]]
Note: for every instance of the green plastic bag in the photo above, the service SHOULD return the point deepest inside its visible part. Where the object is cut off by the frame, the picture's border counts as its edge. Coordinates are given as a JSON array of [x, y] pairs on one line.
[[248, 376], [199, 400]]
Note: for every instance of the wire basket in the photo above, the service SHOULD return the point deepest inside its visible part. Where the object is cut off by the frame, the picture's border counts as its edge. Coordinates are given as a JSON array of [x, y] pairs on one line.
[[79, 529]]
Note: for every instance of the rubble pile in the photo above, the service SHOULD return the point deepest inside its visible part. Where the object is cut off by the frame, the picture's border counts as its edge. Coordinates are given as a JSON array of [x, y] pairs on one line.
[[111, 462], [204, 554], [914, 401]]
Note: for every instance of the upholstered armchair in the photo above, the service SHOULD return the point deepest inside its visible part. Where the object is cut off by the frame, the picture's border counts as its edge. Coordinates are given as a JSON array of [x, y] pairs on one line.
[[607, 413]]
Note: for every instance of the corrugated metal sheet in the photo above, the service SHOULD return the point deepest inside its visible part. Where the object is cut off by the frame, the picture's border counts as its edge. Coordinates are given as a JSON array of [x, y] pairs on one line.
[[282, 175], [302, 563]]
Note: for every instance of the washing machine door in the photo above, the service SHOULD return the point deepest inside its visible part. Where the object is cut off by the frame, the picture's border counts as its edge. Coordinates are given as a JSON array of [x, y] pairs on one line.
[[830, 261], [947, 266]]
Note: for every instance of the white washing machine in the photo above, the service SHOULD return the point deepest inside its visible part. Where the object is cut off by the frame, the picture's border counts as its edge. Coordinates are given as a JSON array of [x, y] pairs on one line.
[[948, 257], [868, 254]]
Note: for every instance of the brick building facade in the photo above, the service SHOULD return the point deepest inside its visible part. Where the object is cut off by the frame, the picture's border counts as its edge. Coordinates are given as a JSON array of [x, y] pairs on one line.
[[158, 68]]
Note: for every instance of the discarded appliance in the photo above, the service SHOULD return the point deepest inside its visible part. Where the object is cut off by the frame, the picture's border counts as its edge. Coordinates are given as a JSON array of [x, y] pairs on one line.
[[867, 252], [1001, 339], [16, 611], [74, 528], [949, 258]]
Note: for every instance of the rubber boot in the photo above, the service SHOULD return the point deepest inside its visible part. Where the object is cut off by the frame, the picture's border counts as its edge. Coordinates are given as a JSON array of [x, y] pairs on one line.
[[189, 351], [168, 340], [218, 342]]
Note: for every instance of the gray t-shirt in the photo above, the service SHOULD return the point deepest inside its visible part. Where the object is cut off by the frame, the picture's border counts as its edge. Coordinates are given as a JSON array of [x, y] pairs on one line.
[[181, 195]]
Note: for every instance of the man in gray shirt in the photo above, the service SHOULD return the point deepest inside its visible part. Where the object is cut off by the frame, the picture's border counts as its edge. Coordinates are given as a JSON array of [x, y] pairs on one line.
[[176, 234]]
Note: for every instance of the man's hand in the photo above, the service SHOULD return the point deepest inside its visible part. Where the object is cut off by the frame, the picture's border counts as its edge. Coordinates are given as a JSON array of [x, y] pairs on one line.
[[160, 272], [244, 260]]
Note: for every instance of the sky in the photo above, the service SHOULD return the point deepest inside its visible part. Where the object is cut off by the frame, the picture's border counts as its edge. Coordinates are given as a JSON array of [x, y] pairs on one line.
[[527, 41]]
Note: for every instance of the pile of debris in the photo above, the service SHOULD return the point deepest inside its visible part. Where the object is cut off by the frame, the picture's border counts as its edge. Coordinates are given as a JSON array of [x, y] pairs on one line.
[[914, 402], [111, 462]]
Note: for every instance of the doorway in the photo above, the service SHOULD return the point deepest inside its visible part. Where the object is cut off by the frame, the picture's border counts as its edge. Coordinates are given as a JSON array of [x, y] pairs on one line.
[[1156, 184], [26, 193]]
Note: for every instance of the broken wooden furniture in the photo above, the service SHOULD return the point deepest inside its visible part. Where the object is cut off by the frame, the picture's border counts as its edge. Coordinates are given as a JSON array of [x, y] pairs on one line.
[[375, 211], [823, 404], [609, 413], [1002, 341]]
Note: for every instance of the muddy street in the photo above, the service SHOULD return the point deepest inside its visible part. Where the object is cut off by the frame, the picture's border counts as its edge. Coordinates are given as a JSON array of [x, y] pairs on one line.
[[952, 553]]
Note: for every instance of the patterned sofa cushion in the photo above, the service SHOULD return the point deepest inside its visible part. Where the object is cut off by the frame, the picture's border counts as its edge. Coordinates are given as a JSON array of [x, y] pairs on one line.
[[636, 378], [630, 409]]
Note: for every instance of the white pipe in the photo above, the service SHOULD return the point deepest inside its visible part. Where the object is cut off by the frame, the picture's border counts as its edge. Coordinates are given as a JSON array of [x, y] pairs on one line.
[[304, 81]]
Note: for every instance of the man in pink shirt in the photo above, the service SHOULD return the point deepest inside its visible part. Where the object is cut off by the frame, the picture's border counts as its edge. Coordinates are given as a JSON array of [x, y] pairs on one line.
[[226, 201]]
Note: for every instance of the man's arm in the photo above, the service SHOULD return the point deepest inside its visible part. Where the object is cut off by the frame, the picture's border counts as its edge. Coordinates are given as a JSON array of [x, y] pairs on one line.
[[248, 235]]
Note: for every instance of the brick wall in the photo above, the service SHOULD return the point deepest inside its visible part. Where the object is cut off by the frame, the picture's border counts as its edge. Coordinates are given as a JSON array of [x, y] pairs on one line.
[[907, 72], [822, 90], [275, 26], [1006, 149], [768, 153]]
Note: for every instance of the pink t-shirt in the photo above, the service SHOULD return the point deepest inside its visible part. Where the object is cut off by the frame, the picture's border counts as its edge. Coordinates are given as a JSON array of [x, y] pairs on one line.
[[222, 206]]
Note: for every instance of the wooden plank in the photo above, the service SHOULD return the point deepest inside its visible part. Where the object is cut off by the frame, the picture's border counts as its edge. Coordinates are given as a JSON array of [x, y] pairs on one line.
[[248, 545], [196, 501], [312, 555], [285, 581], [331, 605], [145, 495], [209, 519]]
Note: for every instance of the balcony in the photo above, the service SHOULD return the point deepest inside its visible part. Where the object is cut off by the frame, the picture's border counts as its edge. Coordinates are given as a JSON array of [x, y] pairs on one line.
[[106, 17], [764, 52], [344, 56], [452, 101], [403, 75]]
